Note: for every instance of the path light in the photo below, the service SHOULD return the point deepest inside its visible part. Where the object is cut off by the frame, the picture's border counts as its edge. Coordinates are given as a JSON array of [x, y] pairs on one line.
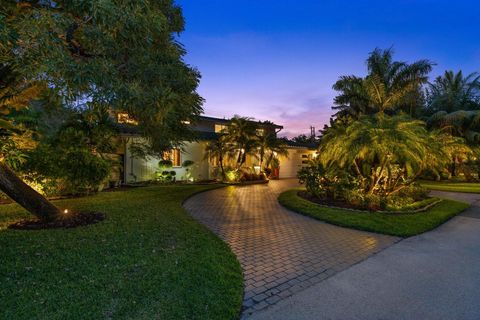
[[65, 211]]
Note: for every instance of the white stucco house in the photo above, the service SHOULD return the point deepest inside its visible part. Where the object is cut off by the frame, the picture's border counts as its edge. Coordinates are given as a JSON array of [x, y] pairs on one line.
[[207, 128]]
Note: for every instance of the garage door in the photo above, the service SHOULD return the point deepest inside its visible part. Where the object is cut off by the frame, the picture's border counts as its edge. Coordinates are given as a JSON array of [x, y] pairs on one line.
[[290, 166]]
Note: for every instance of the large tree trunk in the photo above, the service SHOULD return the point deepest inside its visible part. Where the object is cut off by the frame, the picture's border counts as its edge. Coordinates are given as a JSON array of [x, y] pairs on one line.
[[25, 196]]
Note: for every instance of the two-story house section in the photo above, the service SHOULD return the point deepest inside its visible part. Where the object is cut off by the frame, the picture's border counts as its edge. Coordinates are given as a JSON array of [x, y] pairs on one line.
[[134, 169]]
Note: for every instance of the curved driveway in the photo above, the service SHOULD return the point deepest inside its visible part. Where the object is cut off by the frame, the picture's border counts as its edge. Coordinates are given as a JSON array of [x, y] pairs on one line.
[[432, 276], [281, 252]]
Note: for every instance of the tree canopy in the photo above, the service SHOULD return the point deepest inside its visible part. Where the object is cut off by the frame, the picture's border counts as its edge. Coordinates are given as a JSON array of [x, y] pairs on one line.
[[122, 54], [93, 56]]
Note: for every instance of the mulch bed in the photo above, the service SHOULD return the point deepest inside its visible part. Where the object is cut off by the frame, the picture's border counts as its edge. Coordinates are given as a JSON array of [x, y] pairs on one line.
[[71, 221], [331, 203]]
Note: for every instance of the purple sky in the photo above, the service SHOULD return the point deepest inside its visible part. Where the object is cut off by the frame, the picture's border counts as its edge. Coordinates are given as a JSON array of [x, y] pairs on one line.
[[277, 60]]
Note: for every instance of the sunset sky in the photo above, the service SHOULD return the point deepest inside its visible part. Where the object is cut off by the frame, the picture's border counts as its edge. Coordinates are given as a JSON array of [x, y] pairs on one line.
[[277, 60]]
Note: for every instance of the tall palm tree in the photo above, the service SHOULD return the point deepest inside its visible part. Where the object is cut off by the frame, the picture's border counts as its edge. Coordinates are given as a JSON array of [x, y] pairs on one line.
[[390, 86], [242, 133], [453, 92]]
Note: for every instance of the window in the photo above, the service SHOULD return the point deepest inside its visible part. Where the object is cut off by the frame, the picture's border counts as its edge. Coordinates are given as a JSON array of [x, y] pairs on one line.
[[260, 132], [219, 128], [123, 117], [173, 155]]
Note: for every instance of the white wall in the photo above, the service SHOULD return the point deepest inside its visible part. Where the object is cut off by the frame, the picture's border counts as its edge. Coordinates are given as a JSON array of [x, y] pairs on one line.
[[137, 170], [297, 158]]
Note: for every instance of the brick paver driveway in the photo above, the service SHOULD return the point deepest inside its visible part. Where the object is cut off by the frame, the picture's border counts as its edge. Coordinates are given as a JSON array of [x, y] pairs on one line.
[[281, 252]]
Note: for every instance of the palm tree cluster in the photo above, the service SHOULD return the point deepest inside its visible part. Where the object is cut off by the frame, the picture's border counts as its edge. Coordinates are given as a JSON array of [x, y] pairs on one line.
[[390, 86], [393, 126], [244, 137]]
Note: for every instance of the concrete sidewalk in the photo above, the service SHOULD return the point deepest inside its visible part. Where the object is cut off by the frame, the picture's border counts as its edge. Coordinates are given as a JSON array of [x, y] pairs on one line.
[[435, 276]]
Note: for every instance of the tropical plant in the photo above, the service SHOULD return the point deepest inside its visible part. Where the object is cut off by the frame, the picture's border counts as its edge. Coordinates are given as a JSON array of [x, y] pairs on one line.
[[304, 139], [453, 103], [390, 86], [453, 92], [242, 134], [219, 150], [385, 153], [461, 123], [269, 146], [74, 152]]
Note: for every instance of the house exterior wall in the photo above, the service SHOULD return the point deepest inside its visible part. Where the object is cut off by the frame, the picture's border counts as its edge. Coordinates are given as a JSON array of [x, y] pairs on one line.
[[297, 159], [137, 170]]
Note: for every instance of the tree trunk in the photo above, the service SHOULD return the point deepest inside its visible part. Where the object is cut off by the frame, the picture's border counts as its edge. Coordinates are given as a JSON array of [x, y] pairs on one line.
[[220, 159], [25, 196], [453, 167]]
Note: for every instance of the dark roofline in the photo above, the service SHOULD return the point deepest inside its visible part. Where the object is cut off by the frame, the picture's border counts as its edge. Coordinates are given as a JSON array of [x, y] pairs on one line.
[[223, 120], [294, 144], [133, 129]]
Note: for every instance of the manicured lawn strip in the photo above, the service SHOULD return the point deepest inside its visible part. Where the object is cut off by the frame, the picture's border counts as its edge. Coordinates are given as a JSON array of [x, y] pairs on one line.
[[402, 225], [414, 206], [468, 187], [148, 260]]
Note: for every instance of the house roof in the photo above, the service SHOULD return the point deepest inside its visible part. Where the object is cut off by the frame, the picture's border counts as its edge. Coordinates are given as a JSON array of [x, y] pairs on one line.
[[309, 145], [223, 120], [130, 129]]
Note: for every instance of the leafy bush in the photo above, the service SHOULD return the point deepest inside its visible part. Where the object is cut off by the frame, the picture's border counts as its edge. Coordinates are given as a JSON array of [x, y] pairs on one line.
[[75, 171], [332, 184], [325, 182], [188, 163], [165, 164]]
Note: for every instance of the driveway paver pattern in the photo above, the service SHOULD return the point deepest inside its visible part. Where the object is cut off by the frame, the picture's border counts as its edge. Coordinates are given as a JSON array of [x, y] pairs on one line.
[[281, 252], [431, 276]]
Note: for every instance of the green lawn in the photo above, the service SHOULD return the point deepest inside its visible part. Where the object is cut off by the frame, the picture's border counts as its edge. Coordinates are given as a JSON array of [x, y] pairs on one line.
[[402, 225], [470, 187], [147, 260]]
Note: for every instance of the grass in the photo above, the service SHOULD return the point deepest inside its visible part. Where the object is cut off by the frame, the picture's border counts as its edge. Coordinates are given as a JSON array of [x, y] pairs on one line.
[[148, 260], [413, 206], [402, 225], [469, 187]]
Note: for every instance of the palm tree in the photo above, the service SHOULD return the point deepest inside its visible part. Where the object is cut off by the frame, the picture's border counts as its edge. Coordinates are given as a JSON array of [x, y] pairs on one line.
[[269, 146], [386, 153], [390, 86], [218, 149], [461, 123], [453, 92], [242, 133]]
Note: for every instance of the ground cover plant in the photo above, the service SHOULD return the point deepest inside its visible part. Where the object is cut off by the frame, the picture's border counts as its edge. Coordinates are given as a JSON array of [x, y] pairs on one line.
[[147, 260], [402, 225]]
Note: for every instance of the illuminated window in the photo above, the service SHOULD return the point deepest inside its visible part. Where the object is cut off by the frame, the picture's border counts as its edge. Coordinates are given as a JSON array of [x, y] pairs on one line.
[[219, 128], [186, 122], [173, 155], [123, 117], [260, 132]]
